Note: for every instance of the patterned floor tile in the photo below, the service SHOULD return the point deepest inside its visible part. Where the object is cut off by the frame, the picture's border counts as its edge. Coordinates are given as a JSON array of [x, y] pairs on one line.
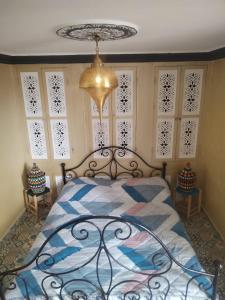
[[207, 245]]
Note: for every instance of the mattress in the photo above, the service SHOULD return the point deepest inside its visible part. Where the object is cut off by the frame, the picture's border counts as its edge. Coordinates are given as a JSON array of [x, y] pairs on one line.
[[132, 267]]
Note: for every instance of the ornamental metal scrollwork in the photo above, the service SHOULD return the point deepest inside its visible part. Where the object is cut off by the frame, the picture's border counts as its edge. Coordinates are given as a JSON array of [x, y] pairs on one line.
[[109, 232], [115, 163], [105, 32]]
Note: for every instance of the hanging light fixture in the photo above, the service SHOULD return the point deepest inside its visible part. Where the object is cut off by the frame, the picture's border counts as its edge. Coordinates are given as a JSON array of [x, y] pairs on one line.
[[98, 81]]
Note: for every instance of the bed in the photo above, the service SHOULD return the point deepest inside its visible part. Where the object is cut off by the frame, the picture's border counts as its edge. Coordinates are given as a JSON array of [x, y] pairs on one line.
[[113, 233]]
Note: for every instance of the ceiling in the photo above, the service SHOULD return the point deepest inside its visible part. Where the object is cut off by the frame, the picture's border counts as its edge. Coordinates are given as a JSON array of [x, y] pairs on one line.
[[27, 27]]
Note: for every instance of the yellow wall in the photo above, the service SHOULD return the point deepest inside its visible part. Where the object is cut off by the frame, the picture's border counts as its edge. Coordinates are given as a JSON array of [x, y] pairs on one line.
[[16, 151], [211, 162], [11, 150], [79, 118]]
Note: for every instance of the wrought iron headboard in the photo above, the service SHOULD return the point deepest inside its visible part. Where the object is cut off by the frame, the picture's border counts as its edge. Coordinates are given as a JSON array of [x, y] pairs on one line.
[[154, 283], [113, 166]]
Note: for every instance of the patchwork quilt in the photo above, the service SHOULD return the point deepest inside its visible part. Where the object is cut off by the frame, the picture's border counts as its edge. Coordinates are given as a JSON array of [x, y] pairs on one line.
[[134, 265]]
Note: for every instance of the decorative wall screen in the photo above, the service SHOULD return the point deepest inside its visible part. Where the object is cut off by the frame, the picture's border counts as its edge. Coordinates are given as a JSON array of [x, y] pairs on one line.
[[182, 114], [124, 133], [124, 109], [124, 93], [192, 92], [167, 86], [188, 137], [60, 139], [37, 139], [100, 135], [33, 111], [31, 94], [165, 113], [122, 104], [57, 113], [42, 124], [56, 94], [164, 138]]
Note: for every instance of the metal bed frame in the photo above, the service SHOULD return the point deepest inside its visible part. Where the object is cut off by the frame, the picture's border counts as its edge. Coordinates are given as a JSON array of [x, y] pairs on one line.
[[156, 283], [112, 166]]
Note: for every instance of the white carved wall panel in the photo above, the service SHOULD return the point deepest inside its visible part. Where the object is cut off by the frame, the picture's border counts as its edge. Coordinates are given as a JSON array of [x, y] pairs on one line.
[[56, 94], [37, 139], [124, 133], [164, 138], [94, 111], [100, 135], [31, 94], [192, 91], [167, 86], [188, 137], [124, 93], [60, 138], [59, 183]]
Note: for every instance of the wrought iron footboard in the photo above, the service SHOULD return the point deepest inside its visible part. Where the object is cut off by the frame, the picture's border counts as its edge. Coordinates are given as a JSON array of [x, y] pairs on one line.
[[104, 234]]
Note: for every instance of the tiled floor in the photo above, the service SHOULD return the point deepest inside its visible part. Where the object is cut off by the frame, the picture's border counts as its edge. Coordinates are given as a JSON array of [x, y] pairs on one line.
[[208, 246], [205, 240]]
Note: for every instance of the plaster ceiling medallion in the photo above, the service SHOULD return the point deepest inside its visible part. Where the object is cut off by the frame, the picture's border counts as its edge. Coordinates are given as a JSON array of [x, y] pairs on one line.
[[97, 80], [105, 32]]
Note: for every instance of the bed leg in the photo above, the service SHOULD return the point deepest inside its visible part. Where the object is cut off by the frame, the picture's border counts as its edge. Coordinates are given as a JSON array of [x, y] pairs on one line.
[[218, 267], [164, 170], [2, 296], [63, 172]]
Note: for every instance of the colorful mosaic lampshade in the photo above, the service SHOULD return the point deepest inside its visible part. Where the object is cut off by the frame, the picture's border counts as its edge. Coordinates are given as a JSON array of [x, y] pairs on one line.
[[36, 180], [186, 178]]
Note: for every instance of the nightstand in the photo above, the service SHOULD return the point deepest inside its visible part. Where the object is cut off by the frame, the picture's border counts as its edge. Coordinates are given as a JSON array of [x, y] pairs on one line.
[[189, 202], [32, 201]]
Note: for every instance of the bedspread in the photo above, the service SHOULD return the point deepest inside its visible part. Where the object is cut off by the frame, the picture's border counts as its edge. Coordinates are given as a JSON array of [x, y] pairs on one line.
[[146, 201]]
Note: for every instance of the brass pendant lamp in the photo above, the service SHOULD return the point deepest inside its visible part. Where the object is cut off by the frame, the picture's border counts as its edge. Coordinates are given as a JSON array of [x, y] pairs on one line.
[[98, 81]]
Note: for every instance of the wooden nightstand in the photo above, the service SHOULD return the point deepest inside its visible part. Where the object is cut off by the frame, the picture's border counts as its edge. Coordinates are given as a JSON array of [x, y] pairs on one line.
[[189, 202], [31, 200]]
